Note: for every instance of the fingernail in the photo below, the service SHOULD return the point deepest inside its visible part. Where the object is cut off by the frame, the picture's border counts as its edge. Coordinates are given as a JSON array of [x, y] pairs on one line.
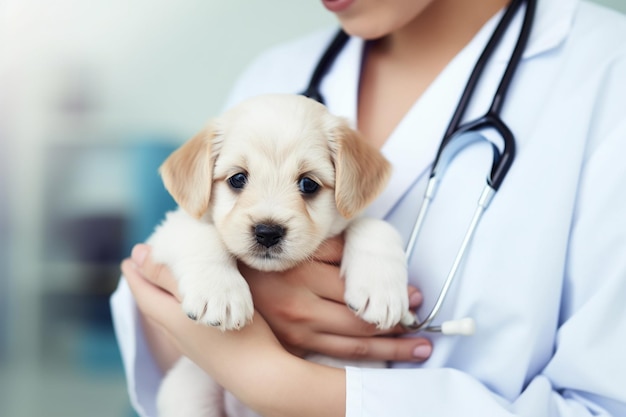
[[415, 299], [422, 351], [139, 254]]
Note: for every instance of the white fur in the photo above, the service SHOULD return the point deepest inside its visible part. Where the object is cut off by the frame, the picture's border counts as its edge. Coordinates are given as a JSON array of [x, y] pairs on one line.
[[275, 140], [373, 260]]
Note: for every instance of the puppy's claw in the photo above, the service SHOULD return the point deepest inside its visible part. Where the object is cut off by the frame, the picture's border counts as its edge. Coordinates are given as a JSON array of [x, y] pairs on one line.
[[359, 310], [409, 320], [382, 310], [225, 304]]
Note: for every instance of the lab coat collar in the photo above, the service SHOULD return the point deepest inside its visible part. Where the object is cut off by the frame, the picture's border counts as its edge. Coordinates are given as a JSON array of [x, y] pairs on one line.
[[553, 20], [344, 77], [410, 154]]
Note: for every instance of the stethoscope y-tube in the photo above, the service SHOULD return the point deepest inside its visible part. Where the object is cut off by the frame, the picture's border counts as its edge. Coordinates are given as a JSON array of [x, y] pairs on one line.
[[456, 138]]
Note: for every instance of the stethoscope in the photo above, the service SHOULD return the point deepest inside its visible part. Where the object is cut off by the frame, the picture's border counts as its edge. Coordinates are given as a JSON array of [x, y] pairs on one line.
[[456, 138]]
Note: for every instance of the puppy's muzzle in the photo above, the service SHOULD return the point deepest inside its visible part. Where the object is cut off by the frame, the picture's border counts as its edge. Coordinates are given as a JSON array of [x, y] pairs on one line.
[[268, 235]]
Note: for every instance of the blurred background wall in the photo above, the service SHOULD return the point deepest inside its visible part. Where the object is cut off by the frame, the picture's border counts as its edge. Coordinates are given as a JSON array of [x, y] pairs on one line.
[[93, 95]]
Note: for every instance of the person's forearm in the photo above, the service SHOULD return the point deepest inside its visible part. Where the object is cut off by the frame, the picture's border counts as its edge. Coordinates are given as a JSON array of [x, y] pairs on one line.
[[261, 374], [287, 386], [164, 352], [250, 363]]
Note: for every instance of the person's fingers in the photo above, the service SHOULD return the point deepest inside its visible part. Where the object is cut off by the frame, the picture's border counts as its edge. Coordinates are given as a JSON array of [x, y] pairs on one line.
[[151, 299], [415, 297], [163, 345], [374, 348], [337, 318], [157, 273], [332, 314], [316, 277], [313, 299]]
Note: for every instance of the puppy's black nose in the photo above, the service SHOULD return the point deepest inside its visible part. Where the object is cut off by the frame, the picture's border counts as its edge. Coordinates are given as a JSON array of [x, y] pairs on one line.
[[268, 234]]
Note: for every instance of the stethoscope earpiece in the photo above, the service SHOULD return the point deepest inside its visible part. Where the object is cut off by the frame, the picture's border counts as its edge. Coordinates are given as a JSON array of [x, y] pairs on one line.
[[462, 327]]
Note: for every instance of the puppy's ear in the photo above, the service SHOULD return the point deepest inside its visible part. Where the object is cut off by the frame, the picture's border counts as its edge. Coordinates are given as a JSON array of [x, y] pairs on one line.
[[188, 173], [361, 171]]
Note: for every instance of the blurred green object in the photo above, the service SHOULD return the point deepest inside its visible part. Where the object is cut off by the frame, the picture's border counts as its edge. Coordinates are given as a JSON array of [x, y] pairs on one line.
[[150, 199]]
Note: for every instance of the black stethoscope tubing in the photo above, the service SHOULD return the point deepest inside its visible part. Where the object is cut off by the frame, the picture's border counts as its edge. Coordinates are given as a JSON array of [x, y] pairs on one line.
[[323, 66], [491, 118], [455, 139]]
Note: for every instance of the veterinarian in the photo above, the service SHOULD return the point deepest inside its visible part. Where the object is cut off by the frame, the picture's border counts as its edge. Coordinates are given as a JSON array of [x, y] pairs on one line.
[[545, 275]]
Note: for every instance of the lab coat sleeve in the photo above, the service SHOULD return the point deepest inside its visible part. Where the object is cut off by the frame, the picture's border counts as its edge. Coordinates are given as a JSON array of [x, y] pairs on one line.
[[143, 376], [586, 375]]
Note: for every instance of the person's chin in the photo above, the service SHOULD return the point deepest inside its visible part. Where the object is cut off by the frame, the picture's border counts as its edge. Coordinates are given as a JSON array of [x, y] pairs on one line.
[[362, 27]]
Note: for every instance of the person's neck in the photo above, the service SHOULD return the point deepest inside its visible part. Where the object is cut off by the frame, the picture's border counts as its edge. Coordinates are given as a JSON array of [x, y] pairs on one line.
[[397, 69], [442, 29]]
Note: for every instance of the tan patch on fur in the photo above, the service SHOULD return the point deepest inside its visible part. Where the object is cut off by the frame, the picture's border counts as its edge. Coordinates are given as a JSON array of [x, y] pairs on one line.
[[361, 172], [187, 173]]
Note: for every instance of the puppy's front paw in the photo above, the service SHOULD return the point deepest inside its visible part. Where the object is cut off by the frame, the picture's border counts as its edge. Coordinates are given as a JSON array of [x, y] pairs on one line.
[[225, 303], [377, 293]]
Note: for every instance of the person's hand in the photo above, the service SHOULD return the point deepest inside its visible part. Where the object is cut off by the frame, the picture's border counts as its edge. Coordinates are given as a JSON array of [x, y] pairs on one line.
[[169, 331], [244, 361], [304, 307], [135, 270]]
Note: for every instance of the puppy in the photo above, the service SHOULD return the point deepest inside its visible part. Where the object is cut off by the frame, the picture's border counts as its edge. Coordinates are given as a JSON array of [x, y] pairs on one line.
[[265, 184]]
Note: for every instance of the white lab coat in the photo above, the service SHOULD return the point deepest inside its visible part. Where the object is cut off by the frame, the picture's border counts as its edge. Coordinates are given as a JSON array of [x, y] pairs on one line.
[[545, 278]]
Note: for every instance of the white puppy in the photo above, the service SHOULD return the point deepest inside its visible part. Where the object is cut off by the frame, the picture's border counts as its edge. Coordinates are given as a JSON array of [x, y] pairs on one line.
[[265, 184]]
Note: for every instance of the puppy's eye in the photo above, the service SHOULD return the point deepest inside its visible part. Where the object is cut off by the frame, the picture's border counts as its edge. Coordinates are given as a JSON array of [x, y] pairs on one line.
[[307, 185], [238, 181]]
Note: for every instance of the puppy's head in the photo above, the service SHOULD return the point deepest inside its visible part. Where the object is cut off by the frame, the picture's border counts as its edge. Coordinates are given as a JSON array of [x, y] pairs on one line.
[[277, 175]]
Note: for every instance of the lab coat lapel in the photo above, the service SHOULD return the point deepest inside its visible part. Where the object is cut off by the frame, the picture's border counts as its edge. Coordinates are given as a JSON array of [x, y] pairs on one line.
[[413, 145], [340, 87], [553, 20]]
